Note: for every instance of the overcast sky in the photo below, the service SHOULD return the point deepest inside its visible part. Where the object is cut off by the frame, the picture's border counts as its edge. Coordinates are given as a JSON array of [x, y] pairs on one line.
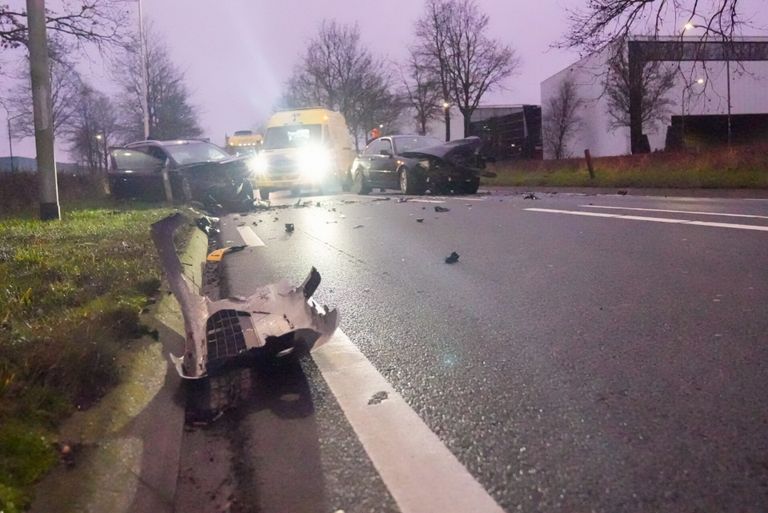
[[236, 54]]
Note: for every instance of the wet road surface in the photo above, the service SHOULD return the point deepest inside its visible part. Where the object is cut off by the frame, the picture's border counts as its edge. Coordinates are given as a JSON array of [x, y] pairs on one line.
[[586, 353]]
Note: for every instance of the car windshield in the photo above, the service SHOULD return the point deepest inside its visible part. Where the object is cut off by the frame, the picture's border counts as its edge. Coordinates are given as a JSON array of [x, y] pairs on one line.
[[134, 160], [198, 151], [410, 143], [291, 136]]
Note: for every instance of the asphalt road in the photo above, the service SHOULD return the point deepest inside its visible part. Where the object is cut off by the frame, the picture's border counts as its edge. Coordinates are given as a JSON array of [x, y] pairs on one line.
[[569, 362]]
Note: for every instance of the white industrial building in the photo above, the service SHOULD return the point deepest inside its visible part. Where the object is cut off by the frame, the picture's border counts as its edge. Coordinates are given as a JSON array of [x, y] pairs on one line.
[[700, 90]]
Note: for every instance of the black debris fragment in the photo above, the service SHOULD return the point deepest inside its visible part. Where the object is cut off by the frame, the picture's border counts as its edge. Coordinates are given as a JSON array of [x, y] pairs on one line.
[[317, 203], [621, 192], [378, 397], [420, 220], [207, 224], [277, 219], [299, 204], [452, 258], [402, 200], [438, 208], [289, 227], [381, 199], [530, 196], [358, 226]]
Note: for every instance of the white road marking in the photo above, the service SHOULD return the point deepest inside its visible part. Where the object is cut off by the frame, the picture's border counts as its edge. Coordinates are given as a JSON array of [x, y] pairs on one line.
[[249, 236], [424, 200], [420, 472], [458, 198], [652, 219], [719, 214]]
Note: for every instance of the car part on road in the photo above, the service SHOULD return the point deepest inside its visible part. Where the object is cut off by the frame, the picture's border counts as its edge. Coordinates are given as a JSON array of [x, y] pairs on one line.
[[452, 258], [207, 224], [438, 208], [219, 332], [420, 220], [217, 255], [289, 227], [530, 196]]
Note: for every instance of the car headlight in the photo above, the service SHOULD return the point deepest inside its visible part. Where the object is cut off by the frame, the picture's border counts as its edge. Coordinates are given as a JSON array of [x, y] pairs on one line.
[[258, 164], [314, 162]]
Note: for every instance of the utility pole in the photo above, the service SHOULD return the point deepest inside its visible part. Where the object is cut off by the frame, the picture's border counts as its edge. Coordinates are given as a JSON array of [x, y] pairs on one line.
[[447, 110], [144, 78], [41, 102]]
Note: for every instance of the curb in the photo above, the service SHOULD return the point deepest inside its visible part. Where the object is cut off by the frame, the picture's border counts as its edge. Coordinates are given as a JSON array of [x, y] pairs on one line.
[[128, 446]]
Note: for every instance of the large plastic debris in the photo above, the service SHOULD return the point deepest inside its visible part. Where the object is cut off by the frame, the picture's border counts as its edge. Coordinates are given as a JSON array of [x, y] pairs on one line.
[[218, 332]]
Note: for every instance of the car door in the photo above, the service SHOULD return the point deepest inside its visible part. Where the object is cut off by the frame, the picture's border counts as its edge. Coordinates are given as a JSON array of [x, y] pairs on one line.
[[383, 165]]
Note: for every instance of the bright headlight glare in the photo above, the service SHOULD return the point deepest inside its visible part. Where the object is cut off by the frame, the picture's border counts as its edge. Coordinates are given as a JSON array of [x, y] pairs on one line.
[[258, 164], [424, 164], [314, 162]]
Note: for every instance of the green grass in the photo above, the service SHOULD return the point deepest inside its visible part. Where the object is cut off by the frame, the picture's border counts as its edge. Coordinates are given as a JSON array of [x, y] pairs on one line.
[[737, 168], [70, 297]]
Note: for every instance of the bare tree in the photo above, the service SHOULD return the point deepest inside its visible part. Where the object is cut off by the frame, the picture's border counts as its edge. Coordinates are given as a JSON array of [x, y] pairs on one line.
[[452, 35], [92, 129], [65, 88], [605, 21], [171, 115], [561, 119], [658, 78], [339, 73], [99, 22], [422, 91]]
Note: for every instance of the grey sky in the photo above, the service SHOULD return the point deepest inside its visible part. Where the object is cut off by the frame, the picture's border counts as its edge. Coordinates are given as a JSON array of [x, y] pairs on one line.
[[237, 53]]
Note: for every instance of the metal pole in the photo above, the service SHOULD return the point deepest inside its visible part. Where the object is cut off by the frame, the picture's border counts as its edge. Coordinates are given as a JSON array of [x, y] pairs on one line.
[[728, 72], [10, 145], [682, 119], [41, 101], [144, 78], [447, 123]]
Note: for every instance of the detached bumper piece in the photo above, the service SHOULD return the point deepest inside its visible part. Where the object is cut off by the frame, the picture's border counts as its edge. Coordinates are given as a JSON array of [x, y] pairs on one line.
[[219, 332]]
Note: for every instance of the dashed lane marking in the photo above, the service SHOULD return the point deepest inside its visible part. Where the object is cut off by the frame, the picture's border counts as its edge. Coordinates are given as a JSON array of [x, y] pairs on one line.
[[249, 236], [651, 219], [718, 214], [420, 472]]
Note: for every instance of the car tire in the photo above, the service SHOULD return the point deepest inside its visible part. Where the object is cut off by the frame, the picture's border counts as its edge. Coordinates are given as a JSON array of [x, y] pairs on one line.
[[410, 182], [470, 187], [263, 194], [359, 184]]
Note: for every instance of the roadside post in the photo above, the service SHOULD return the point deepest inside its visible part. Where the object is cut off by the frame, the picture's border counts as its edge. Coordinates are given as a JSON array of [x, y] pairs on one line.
[[167, 182], [591, 169]]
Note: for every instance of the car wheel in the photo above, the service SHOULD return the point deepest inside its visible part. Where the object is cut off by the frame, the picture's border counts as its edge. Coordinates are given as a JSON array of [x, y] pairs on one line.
[[470, 187], [359, 185], [410, 183], [263, 194]]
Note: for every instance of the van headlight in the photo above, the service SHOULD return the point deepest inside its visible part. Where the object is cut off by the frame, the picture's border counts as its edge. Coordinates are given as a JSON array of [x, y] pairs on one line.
[[314, 162], [258, 164]]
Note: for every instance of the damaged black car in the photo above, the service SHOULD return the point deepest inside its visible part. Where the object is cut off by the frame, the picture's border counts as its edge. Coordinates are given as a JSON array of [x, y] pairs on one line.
[[180, 170], [415, 164]]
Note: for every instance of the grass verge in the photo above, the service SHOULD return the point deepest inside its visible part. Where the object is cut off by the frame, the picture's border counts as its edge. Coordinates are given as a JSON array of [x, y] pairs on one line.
[[737, 168], [70, 297]]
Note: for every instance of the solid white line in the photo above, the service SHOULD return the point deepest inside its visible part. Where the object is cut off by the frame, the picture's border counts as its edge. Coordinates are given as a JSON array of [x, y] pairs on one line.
[[652, 219], [249, 236], [420, 472], [719, 214], [424, 200]]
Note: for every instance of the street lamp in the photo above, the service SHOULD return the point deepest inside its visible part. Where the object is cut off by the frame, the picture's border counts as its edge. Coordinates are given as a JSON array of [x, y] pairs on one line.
[[447, 111], [726, 49]]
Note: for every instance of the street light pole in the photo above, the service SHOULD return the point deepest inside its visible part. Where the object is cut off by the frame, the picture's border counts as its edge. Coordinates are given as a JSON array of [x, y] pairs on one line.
[[144, 79], [41, 103], [447, 111]]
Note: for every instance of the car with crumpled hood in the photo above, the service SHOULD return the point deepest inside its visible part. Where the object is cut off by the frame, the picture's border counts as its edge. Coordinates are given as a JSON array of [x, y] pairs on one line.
[[196, 170], [415, 164]]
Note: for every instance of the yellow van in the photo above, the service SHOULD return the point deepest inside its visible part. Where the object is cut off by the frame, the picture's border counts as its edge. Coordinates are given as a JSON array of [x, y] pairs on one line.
[[301, 149]]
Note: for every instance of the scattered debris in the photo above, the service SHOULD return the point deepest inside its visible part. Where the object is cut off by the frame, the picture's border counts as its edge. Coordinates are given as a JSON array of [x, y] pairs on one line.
[[317, 204], [261, 205], [530, 196], [402, 200], [438, 208], [289, 227], [378, 397], [420, 220], [299, 204], [207, 224], [276, 218], [358, 226], [452, 258], [621, 192], [381, 199], [217, 255]]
